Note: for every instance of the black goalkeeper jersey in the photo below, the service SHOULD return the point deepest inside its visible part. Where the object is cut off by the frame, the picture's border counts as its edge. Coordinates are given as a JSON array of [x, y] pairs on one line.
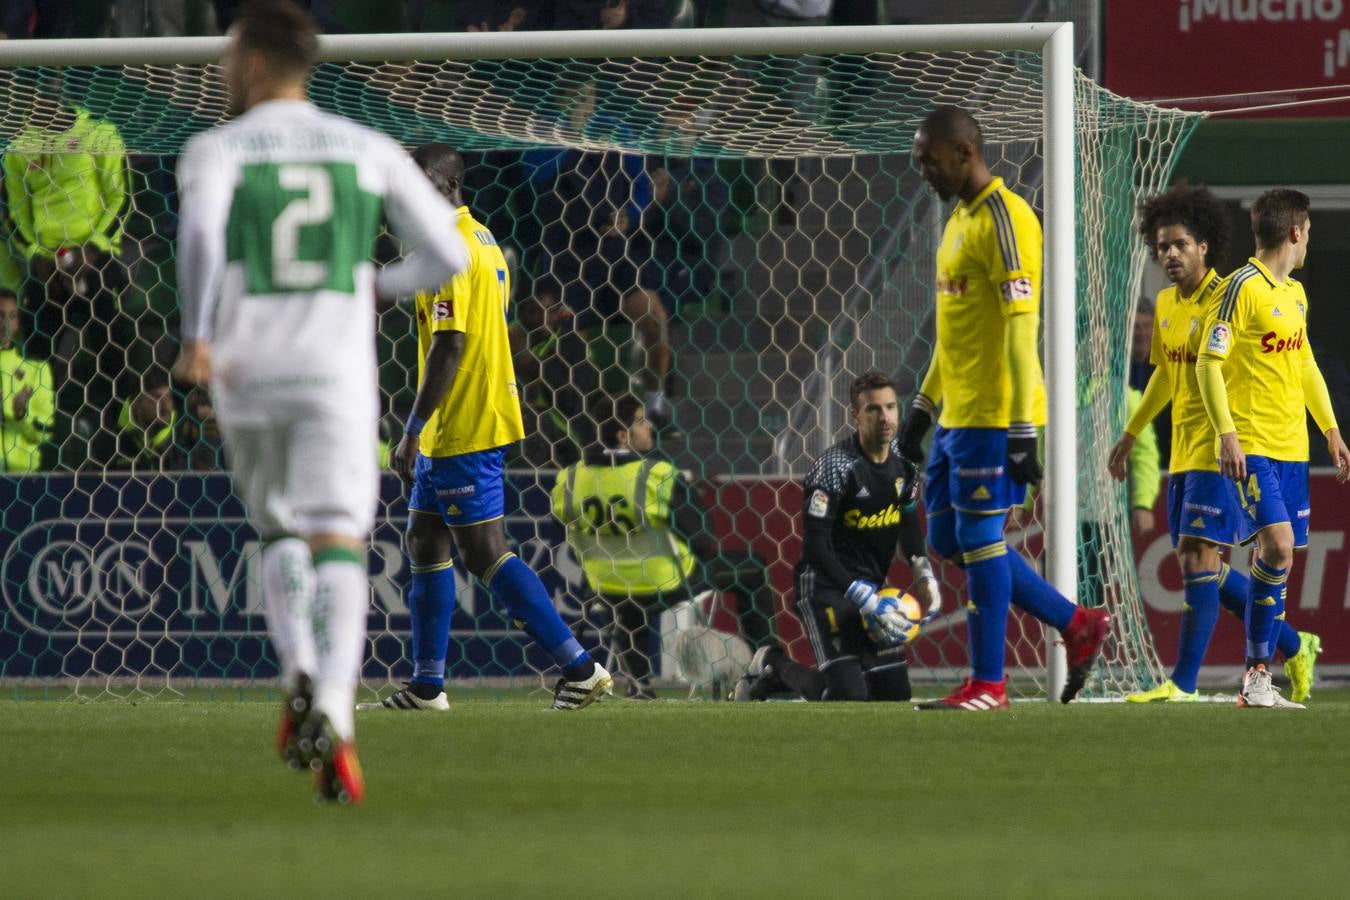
[[860, 503]]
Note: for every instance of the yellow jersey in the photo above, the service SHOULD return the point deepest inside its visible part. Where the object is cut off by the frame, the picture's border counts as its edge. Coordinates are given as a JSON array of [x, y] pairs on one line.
[[482, 408], [1177, 334], [1258, 328], [988, 268]]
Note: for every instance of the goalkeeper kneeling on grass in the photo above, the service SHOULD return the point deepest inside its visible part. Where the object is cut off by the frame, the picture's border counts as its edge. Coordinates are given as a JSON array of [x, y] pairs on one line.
[[859, 503]]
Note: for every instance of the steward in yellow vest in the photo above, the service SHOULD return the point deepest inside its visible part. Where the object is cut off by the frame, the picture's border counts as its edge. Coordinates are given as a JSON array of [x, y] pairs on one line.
[[639, 532]]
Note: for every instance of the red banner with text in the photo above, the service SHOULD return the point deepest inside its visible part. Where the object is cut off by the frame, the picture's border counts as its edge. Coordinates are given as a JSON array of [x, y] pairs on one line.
[[1233, 53]]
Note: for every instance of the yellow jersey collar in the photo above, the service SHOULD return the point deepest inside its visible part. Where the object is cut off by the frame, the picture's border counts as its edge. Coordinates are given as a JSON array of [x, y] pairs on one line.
[[994, 184], [1206, 284], [1260, 267]]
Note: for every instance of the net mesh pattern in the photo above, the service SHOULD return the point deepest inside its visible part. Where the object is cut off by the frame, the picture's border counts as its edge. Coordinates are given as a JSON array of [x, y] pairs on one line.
[[762, 237]]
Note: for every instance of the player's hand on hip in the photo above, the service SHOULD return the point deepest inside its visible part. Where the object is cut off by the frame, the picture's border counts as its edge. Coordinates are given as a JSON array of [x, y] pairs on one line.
[[194, 363], [404, 457], [1232, 461], [1340, 455], [1119, 459], [1023, 464]]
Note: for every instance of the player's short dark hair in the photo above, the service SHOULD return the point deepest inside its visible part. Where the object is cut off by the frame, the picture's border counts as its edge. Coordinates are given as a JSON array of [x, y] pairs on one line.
[[952, 123], [281, 31], [1193, 208], [442, 163], [1275, 212], [871, 380], [622, 414], [9, 292]]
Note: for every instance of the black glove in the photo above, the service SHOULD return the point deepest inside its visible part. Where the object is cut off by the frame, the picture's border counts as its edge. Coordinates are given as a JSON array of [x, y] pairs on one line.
[[915, 429], [909, 491], [1023, 464]]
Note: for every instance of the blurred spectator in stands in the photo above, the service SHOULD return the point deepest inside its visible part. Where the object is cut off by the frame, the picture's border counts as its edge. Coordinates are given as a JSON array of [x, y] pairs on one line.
[[66, 182], [558, 380], [1140, 370], [26, 396], [199, 435], [146, 424], [161, 18], [38, 18], [755, 13], [575, 15], [491, 15], [323, 12], [601, 283], [681, 234]]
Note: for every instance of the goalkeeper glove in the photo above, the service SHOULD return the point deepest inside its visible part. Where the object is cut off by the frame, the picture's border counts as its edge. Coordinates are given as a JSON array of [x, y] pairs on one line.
[[886, 625], [862, 594], [915, 429], [925, 587], [1023, 465]]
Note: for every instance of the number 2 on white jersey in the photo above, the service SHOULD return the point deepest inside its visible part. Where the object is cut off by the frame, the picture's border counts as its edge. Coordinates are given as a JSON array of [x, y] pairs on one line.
[[314, 208]]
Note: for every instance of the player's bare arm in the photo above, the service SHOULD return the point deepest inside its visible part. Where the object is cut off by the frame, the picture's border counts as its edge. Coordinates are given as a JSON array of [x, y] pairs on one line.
[[1340, 456], [442, 364]]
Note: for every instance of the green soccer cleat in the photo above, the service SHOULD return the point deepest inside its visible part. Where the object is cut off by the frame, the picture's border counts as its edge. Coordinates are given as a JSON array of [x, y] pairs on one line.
[[1299, 667], [1167, 692]]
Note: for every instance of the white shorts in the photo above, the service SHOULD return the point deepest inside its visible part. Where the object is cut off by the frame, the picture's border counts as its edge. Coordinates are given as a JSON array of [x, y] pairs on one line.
[[312, 474]]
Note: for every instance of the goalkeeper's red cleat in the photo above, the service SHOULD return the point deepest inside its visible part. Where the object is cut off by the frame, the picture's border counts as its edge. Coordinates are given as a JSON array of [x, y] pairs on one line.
[[1083, 641], [974, 695], [293, 713]]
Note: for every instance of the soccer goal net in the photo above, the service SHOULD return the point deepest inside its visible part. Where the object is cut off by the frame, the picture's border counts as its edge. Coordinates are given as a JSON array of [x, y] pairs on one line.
[[724, 223]]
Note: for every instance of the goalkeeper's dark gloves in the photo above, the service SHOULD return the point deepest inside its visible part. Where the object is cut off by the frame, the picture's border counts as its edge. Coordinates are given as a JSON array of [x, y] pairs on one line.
[[915, 429], [1023, 464]]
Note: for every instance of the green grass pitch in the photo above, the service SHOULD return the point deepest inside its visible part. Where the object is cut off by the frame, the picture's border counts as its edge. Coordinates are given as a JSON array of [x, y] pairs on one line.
[[499, 798]]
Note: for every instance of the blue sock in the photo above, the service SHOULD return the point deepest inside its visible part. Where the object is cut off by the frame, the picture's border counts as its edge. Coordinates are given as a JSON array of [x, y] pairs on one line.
[[1233, 587], [1233, 590], [989, 584], [431, 601], [1032, 593], [527, 600], [1287, 640], [1265, 601], [1197, 627]]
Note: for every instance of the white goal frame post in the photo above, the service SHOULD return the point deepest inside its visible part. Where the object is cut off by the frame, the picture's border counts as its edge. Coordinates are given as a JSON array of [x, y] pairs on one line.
[[1052, 40]]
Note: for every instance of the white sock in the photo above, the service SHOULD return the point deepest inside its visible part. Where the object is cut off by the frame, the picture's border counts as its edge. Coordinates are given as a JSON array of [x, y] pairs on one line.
[[288, 606], [340, 605]]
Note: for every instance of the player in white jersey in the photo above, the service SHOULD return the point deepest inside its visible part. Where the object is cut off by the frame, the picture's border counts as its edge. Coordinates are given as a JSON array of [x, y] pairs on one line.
[[280, 209]]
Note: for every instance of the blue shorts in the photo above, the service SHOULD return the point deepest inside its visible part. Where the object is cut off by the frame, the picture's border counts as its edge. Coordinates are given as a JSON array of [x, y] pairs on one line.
[[1201, 504], [1274, 492], [967, 470], [464, 489]]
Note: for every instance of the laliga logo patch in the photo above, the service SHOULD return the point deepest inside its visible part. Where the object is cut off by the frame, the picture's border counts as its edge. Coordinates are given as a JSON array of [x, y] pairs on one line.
[[442, 310], [1219, 338], [1017, 289], [819, 505]]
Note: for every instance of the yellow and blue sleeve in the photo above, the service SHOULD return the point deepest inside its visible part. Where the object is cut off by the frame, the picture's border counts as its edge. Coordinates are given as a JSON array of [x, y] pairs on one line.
[[1014, 255]]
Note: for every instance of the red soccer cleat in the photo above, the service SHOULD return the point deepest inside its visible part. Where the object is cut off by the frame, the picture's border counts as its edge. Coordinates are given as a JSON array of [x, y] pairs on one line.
[[1083, 641], [339, 780], [974, 695]]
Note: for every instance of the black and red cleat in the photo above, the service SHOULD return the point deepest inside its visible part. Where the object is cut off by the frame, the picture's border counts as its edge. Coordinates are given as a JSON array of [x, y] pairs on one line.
[[1083, 641], [973, 695], [339, 779], [293, 713]]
